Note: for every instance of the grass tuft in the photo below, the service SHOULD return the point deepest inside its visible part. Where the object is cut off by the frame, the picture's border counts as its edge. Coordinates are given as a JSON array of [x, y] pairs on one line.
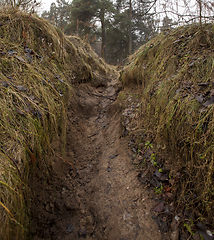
[[177, 77], [38, 65]]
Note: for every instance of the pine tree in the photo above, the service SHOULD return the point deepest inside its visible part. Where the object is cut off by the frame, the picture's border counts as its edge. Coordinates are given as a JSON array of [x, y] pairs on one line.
[[123, 26], [131, 26]]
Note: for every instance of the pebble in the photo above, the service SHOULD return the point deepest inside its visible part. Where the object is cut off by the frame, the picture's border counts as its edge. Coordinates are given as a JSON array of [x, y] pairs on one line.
[[70, 228], [134, 150]]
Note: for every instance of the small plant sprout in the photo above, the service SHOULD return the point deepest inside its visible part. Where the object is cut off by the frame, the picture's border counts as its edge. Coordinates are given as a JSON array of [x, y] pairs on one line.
[[189, 228], [153, 159], [158, 190], [148, 145]]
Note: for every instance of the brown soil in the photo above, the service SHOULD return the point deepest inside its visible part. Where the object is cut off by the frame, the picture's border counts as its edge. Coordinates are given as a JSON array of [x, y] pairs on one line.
[[94, 193]]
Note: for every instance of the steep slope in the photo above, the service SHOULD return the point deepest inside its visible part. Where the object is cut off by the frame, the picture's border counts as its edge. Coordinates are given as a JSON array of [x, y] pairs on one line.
[[38, 66], [94, 192], [175, 72]]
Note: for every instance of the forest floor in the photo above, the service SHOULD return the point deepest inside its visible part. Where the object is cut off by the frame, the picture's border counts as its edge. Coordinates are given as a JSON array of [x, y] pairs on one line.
[[95, 192]]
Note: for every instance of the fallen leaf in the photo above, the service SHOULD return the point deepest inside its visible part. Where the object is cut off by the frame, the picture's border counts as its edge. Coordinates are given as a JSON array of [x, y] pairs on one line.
[[168, 196], [28, 50], [168, 189], [21, 59], [12, 52], [160, 207], [21, 88], [164, 177], [155, 183], [203, 84], [209, 101], [178, 90], [199, 98], [157, 173]]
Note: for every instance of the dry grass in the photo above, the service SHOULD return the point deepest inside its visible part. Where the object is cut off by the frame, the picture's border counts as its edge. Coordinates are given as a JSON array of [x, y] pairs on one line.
[[38, 65], [172, 69]]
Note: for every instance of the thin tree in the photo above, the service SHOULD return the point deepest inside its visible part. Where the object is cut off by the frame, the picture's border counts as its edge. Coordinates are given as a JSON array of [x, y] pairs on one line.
[[26, 5]]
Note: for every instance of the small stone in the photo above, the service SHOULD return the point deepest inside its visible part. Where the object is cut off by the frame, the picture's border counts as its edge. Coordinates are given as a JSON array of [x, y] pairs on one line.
[[70, 228], [47, 208], [131, 143], [209, 233], [134, 150]]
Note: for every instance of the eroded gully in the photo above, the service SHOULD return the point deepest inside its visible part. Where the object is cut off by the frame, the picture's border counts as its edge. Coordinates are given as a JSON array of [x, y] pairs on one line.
[[94, 192]]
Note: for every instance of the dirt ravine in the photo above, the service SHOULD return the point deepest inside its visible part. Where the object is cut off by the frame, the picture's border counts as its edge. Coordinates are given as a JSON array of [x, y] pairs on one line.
[[101, 198]]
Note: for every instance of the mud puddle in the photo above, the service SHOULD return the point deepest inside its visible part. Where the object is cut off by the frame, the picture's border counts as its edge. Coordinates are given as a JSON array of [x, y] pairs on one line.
[[94, 192]]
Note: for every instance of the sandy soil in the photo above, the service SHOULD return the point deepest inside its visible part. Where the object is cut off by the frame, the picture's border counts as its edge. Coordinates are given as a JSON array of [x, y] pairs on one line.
[[94, 193]]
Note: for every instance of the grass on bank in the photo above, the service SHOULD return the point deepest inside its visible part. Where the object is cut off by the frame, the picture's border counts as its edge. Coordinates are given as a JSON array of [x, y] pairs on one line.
[[38, 66], [176, 72]]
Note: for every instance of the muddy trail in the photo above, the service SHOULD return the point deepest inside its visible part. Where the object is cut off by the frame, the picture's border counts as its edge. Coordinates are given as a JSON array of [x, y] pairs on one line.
[[94, 192]]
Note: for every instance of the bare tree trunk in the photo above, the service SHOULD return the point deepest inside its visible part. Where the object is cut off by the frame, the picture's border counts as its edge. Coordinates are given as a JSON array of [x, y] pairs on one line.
[[130, 27], [200, 12], [103, 46]]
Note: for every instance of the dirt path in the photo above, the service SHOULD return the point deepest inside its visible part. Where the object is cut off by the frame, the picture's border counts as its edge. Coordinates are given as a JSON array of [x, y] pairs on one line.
[[101, 198]]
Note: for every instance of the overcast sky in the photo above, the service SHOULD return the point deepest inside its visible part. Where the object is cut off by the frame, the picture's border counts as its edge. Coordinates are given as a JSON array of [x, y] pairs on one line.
[[46, 4]]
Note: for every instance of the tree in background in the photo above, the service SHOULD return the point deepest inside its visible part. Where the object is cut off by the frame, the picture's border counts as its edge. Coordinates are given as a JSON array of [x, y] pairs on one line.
[[63, 9], [58, 14], [26, 5], [121, 26], [85, 14], [80, 17], [52, 14], [104, 14], [126, 34]]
